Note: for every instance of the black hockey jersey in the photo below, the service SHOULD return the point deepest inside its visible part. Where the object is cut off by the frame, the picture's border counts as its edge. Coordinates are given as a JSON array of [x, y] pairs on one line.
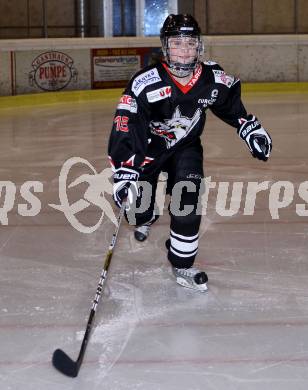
[[156, 115]]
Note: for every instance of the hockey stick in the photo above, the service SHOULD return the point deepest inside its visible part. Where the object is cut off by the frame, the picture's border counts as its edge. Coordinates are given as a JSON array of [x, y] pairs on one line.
[[60, 360]]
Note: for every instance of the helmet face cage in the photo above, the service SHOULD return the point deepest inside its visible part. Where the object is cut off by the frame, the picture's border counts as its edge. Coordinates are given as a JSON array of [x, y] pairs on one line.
[[181, 26], [177, 68]]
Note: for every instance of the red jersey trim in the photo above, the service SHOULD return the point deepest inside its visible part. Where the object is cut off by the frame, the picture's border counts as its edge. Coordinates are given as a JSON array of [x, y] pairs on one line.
[[185, 88]]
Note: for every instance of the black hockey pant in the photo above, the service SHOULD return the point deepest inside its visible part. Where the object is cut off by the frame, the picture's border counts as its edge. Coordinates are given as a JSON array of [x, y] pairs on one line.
[[185, 171]]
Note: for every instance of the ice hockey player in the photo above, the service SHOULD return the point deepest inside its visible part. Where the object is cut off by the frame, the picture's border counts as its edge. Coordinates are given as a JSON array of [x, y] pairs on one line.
[[157, 127]]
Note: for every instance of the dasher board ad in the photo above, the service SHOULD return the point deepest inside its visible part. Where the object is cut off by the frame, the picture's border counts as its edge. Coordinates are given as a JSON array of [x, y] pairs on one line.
[[52, 70], [113, 68]]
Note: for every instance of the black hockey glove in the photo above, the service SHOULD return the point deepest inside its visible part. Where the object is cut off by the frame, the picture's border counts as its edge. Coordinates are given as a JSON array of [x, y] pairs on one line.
[[256, 137], [125, 185]]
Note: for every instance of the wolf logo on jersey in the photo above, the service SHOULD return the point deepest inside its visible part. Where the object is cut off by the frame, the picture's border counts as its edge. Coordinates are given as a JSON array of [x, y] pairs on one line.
[[176, 128]]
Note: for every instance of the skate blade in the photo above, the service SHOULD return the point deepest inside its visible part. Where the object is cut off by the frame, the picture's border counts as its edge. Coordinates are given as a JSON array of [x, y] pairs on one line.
[[198, 287]]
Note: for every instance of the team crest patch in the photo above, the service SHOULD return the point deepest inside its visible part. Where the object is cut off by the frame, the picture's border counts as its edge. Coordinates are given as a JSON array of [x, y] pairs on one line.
[[222, 78], [174, 129], [159, 94], [144, 79]]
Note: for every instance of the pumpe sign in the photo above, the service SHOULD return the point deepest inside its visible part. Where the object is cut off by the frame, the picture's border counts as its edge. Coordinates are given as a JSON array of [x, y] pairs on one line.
[[52, 71]]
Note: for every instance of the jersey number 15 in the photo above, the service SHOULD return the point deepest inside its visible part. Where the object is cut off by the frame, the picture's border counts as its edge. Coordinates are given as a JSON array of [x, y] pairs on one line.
[[121, 123]]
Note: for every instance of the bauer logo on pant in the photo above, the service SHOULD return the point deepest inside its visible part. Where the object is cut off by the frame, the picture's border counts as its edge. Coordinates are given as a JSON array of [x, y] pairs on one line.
[[52, 71]]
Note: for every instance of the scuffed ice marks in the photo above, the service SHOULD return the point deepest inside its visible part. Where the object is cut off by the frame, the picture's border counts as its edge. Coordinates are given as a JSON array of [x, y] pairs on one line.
[[129, 298], [116, 319], [134, 300]]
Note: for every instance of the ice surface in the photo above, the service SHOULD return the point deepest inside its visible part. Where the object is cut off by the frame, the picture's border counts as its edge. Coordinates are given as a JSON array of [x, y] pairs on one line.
[[248, 332]]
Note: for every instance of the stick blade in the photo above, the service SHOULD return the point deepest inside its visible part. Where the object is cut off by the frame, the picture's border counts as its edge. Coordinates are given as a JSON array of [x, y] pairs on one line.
[[63, 363]]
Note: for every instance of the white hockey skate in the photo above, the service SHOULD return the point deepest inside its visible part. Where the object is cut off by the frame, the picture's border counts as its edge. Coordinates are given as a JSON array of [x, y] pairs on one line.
[[142, 232], [191, 278]]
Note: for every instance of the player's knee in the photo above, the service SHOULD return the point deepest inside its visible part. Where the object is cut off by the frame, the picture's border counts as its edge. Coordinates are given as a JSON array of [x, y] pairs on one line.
[[185, 196]]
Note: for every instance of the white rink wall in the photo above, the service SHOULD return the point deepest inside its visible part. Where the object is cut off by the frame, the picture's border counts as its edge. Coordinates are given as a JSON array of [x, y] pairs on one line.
[[262, 58], [37, 65]]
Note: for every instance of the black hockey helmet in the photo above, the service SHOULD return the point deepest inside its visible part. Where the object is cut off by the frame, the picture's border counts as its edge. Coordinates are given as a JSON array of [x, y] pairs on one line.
[[182, 25]]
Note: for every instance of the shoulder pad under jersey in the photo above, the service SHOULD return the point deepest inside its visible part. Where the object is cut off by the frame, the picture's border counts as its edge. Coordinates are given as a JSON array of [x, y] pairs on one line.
[[210, 63]]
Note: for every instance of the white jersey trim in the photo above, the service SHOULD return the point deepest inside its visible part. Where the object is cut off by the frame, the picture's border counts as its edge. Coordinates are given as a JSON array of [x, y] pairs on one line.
[[211, 63]]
